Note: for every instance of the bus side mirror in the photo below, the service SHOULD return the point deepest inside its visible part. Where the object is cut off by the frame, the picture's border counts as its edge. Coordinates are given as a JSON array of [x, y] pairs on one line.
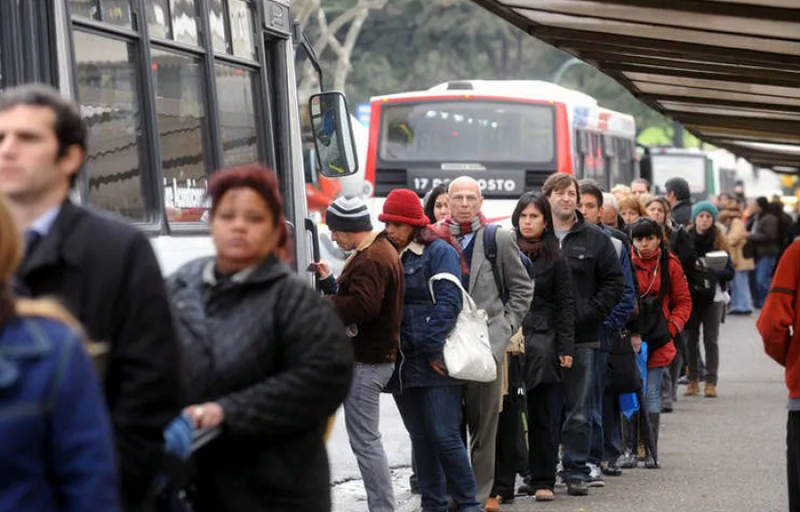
[[333, 134]]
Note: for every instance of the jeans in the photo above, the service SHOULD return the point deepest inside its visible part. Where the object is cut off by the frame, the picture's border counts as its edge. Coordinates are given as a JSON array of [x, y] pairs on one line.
[[764, 267], [612, 429], [741, 300], [653, 397], [576, 434], [599, 373], [432, 416], [709, 316], [669, 386], [362, 419], [793, 459]]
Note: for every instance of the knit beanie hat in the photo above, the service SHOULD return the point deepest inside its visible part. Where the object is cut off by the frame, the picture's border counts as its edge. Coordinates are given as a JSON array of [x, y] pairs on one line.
[[705, 206], [403, 205], [348, 215]]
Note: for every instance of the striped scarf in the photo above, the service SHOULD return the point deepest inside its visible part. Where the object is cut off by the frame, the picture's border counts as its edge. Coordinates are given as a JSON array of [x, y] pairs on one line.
[[457, 229]]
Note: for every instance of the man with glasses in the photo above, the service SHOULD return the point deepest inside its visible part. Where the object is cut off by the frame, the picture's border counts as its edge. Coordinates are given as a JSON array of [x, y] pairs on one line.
[[506, 308]]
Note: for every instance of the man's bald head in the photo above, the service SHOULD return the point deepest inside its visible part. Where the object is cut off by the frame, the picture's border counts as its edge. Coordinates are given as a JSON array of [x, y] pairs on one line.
[[466, 199], [465, 182]]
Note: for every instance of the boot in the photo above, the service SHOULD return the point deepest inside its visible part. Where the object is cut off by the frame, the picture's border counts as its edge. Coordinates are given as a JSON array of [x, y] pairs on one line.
[[710, 390], [693, 389], [652, 458], [629, 431]]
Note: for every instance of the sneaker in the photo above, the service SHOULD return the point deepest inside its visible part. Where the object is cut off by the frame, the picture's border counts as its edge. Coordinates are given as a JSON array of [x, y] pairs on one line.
[[595, 481], [627, 461], [683, 380], [492, 505], [545, 495], [710, 391], [577, 488], [611, 469], [693, 389]]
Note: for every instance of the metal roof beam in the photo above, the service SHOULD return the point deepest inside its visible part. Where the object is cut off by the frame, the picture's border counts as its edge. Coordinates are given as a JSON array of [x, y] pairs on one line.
[[568, 39]]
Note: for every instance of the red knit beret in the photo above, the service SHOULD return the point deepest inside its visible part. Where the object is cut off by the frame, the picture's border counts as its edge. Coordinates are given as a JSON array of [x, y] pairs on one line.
[[403, 206]]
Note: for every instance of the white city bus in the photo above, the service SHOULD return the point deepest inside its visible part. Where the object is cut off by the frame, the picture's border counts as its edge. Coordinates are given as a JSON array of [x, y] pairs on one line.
[[171, 90]]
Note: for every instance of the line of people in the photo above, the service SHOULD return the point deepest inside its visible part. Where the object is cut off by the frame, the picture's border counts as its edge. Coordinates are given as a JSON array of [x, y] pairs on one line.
[[575, 282]]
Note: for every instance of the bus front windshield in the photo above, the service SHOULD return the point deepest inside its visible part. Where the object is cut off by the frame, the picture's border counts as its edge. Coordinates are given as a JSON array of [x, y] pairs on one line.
[[692, 168], [467, 130]]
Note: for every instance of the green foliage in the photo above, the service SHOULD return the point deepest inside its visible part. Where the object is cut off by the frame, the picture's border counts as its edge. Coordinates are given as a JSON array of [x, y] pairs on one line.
[[415, 44]]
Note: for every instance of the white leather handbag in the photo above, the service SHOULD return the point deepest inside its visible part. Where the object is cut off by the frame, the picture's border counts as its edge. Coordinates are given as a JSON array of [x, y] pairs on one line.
[[467, 352]]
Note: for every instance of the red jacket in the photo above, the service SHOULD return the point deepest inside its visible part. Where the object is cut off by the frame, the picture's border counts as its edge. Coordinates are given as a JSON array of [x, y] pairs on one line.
[[677, 303], [781, 315]]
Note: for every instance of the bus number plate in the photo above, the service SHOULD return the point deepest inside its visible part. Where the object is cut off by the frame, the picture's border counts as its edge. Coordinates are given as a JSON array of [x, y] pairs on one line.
[[507, 183]]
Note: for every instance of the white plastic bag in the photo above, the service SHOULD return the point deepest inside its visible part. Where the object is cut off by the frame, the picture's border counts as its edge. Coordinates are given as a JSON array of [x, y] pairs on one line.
[[467, 352]]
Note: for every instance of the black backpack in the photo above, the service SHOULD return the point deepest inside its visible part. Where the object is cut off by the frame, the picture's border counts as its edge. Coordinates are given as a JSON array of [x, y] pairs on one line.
[[490, 249]]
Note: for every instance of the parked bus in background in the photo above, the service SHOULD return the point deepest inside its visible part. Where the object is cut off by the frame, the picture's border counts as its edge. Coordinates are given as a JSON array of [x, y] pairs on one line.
[[171, 92], [508, 135], [709, 173]]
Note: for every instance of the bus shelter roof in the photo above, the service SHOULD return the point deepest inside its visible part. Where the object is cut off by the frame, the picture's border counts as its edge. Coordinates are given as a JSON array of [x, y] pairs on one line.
[[728, 70]]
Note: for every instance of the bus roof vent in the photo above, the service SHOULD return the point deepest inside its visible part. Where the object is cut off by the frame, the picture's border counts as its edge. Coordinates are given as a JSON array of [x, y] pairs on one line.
[[459, 85]]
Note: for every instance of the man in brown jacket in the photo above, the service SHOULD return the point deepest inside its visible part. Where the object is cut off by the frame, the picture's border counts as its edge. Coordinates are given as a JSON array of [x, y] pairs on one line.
[[369, 298]]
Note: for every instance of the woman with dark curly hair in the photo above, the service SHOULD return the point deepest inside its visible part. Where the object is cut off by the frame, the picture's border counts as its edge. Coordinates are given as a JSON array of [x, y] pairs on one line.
[[265, 357]]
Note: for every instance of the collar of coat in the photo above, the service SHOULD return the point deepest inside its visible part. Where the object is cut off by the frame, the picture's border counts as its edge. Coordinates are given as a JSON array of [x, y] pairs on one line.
[[363, 247], [415, 247], [55, 246]]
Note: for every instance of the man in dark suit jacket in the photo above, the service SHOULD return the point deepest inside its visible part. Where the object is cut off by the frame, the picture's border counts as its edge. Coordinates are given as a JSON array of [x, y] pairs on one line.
[[680, 197], [101, 268]]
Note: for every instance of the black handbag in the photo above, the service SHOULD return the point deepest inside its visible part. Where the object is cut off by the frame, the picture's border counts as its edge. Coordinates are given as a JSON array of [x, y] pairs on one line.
[[654, 324], [623, 372], [651, 314]]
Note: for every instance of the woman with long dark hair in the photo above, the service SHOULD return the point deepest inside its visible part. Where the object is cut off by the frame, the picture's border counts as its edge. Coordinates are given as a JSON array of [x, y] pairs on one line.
[[548, 329], [708, 299], [437, 203], [429, 400], [665, 306]]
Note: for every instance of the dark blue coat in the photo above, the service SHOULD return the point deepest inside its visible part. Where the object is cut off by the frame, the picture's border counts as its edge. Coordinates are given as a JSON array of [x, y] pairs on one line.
[[425, 325], [56, 448]]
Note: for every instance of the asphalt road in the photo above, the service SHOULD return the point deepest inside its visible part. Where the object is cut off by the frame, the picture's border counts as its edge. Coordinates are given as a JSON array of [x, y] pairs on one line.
[[717, 455]]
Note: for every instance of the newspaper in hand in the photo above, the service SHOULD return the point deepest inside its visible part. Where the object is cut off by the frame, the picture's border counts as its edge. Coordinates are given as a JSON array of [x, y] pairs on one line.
[[715, 260]]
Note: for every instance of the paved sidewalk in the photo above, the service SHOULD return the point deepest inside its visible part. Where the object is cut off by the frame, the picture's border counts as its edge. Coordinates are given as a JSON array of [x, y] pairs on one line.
[[717, 455]]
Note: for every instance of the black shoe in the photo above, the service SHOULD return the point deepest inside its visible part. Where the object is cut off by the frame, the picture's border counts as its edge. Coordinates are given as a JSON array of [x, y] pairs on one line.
[[525, 490], [611, 469], [412, 483], [666, 409], [577, 488]]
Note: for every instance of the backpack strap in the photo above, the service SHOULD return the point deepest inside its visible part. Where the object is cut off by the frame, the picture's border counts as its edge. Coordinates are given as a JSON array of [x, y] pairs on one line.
[[490, 249]]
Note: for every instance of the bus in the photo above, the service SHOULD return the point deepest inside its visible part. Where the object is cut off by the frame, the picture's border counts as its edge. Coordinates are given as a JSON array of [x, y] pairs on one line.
[[508, 135], [708, 173], [172, 90]]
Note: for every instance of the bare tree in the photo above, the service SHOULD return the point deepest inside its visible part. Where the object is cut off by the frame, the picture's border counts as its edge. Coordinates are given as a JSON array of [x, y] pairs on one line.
[[338, 36]]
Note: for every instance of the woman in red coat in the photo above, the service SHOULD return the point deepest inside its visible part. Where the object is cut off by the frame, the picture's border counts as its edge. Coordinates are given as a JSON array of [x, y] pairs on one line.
[[661, 279]]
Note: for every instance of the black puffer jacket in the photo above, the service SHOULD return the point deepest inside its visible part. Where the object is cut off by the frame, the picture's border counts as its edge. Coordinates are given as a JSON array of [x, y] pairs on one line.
[[549, 326], [597, 279], [275, 356]]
